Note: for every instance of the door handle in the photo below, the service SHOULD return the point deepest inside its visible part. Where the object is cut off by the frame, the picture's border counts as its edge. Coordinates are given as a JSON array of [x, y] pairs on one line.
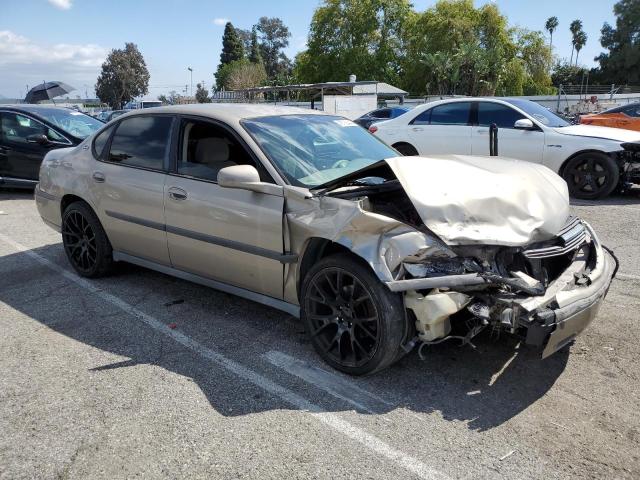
[[417, 129], [177, 193], [98, 177], [482, 131]]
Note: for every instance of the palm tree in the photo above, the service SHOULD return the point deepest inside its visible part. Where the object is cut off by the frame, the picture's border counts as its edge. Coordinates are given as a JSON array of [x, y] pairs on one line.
[[575, 27], [550, 26], [580, 41]]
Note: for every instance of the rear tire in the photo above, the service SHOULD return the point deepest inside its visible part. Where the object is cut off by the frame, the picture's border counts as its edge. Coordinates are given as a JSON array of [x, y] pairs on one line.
[[406, 149], [355, 323], [591, 175], [85, 242]]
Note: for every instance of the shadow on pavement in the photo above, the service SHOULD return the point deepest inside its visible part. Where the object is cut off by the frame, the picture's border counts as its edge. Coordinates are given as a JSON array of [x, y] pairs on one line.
[[483, 387]]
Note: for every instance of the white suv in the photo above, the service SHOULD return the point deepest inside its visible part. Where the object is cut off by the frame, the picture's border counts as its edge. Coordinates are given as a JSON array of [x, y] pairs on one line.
[[592, 160]]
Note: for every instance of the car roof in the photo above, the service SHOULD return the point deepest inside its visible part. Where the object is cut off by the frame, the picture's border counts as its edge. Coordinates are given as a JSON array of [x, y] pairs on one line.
[[34, 108], [228, 111]]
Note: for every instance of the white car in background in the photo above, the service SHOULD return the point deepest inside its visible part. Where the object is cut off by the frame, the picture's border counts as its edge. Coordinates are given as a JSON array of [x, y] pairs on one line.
[[592, 160]]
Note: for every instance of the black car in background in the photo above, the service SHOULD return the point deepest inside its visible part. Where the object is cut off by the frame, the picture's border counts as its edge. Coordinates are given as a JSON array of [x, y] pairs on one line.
[[28, 132], [380, 114]]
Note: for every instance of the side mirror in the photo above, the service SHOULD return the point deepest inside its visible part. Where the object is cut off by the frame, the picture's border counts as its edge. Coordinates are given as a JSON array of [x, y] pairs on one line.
[[246, 177], [524, 124], [38, 138]]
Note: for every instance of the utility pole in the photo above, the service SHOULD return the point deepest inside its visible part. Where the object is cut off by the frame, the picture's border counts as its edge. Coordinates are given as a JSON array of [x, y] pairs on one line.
[[191, 72]]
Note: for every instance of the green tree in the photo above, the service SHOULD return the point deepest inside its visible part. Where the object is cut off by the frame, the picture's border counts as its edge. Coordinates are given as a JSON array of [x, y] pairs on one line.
[[232, 48], [565, 73], [454, 47], [123, 77], [536, 59], [580, 41], [274, 37], [621, 63], [574, 28], [202, 94], [365, 41], [254, 48], [550, 26], [245, 38], [232, 51]]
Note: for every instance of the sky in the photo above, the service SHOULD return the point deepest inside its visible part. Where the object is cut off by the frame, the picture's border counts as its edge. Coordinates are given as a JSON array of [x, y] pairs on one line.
[[68, 40]]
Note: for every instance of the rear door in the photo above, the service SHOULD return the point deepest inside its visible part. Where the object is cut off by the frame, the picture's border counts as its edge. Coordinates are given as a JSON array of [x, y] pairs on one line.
[[128, 181], [230, 235], [513, 143], [21, 152], [443, 129]]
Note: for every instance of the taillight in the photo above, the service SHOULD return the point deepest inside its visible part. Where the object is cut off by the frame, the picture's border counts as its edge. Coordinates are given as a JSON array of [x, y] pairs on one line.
[[373, 129]]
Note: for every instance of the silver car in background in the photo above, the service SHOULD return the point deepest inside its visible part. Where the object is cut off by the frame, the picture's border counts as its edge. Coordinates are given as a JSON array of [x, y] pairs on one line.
[[309, 213]]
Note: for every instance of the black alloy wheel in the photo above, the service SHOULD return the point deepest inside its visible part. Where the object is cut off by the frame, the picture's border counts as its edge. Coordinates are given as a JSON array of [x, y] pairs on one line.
[[355, 323], [591, 175], [344, 319], [85, 242]]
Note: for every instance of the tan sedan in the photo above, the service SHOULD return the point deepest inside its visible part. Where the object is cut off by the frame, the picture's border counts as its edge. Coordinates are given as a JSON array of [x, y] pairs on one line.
[[311, 214]]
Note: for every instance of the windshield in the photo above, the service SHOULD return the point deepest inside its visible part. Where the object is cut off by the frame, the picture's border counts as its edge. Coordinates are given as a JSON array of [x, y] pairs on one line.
[[538, 112], [75, 123], [310, 150]]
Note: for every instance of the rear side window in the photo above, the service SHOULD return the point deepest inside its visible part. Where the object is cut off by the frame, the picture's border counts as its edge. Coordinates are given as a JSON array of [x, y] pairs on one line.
[[502, 115], [633, 111], [423, 119], [101, 141], [383, 113], [141, 141], [456, 113]]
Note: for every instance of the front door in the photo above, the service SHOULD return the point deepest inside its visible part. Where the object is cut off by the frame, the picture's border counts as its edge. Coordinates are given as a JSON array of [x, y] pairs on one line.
[[233, 236], [128, 181], [443, 129], [21, 152], [512, 143]]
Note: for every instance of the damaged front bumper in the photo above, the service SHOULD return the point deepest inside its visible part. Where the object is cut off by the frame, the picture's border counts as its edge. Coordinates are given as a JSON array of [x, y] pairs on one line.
[[549, 318], [570, 302]]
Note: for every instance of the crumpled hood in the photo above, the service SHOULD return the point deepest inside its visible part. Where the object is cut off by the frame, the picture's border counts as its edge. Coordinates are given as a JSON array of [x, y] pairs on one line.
[[594, 131], [469, 200]]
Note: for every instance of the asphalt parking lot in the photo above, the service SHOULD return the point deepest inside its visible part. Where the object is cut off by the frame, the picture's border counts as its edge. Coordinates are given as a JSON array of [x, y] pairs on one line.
[[144, 375]]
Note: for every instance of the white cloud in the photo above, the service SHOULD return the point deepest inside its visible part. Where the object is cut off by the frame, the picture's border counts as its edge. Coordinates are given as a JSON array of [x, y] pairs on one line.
[[24, 61], [220, 21], [61, 4]]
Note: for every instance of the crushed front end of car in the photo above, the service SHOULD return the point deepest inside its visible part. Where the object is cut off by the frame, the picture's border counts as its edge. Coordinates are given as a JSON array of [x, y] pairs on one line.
[[472, 243]]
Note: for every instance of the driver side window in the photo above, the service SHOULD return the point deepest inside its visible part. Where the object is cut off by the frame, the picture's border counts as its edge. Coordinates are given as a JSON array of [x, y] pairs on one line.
[[18, 128], [206, 148]]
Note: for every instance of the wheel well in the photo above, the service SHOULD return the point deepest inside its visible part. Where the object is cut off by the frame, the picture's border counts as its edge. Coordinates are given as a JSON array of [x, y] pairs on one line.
[[564, 164], [68, 200], [317, 249], [398, 144]]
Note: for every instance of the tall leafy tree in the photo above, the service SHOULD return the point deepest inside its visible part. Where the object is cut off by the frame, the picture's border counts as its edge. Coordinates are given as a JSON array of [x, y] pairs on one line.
[[454, 47], [274, 37], [254, 48], [574, 28], [550, 26], [245, 38], [232, 47], [123, 77], [363, 37], [621, 63], [580, 41], [232, 51]]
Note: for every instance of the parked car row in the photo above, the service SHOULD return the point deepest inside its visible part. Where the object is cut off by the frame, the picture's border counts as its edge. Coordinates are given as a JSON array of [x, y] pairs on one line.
[[308, 213]]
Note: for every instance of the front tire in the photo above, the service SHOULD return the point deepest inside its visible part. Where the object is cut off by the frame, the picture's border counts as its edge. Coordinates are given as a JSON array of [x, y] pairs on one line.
[[591, 175], [355, 323], [85, 241]]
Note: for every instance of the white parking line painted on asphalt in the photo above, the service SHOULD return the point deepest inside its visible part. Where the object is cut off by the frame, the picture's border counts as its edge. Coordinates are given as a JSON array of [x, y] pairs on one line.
[[628, 276], [328, 381], [331, 420]]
